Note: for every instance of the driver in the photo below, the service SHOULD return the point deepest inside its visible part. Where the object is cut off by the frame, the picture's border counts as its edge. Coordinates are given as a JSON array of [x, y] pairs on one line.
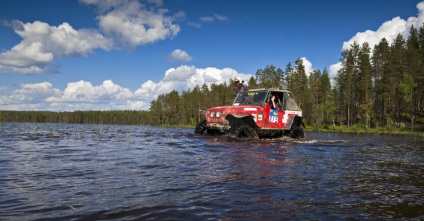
[[273, 102]]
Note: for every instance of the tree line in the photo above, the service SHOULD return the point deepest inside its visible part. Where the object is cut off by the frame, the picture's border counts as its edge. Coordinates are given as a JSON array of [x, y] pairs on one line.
[[126, 117], [373, 88]]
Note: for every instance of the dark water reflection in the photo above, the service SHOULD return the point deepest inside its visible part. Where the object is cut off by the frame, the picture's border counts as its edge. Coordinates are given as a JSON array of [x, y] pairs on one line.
[[104, 172]]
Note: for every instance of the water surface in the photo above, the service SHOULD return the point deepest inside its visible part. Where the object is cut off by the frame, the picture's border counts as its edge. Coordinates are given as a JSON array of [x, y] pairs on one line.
[[106, 172]]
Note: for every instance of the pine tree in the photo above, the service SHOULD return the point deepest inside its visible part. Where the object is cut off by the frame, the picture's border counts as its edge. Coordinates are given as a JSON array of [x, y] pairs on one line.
[[413, 68], [347, 78], [315, 99], [365, 84], [270, 77], [396, 72], [326, 106], [381, 61], [298, 84], [252, 83]]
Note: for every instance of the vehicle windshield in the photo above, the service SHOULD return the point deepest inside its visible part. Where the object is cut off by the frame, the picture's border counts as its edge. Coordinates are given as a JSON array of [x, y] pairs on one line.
[[255, 98]]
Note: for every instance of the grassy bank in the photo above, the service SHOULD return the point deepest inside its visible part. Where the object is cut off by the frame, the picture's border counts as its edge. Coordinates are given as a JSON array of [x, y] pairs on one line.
[[419, 131]]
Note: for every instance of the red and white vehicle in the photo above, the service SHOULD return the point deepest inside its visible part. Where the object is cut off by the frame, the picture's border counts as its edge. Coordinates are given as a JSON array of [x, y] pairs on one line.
[[251, 116]]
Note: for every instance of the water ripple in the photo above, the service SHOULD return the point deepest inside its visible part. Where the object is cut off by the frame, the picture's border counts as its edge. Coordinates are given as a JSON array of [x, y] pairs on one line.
[[105, 172]]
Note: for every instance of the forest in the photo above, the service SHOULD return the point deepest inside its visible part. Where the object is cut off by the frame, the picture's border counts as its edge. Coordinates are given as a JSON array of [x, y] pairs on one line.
[[379, 87]]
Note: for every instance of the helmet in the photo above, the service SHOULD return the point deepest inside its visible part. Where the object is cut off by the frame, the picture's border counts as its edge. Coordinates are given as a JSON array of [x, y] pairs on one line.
[[237, 79]]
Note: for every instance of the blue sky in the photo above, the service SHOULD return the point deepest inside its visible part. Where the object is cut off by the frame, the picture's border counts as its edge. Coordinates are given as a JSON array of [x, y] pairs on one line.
[[107, 55]]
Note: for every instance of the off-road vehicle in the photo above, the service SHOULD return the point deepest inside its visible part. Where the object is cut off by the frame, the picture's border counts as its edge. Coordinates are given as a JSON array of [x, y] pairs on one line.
[[251, 116]]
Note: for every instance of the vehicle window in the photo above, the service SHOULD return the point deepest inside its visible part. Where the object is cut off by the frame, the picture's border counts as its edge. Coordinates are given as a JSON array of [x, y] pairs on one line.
[[290, 103], [259, 98], [250, 98], [281, 100]]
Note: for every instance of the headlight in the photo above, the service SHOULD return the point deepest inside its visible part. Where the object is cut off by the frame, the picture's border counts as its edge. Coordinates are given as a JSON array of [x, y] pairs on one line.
[[218, 114], [212, 114]]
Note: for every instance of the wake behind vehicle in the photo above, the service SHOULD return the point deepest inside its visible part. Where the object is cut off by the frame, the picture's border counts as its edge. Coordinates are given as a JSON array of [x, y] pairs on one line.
[[251, 116]]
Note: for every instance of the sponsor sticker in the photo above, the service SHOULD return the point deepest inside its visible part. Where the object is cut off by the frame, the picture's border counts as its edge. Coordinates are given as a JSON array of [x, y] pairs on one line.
[[273, 116]]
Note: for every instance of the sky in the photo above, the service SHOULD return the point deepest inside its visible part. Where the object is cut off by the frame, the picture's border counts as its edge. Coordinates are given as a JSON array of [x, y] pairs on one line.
[[67, 55]]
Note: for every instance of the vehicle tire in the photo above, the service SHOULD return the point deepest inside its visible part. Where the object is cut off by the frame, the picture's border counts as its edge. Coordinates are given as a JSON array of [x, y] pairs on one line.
[[245, 131], [200, 128], [296, 132], [213, 132]]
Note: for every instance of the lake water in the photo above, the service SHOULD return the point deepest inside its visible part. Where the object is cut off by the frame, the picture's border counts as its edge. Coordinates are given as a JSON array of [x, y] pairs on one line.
[[108, 172]]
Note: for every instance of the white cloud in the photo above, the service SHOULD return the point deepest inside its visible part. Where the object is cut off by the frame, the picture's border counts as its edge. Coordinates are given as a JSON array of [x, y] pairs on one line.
[[185, 77], [389, 30], [208, 19], [34, 93], [126, 23], [213, 18], [195, 24], [333, 70], [41, 44], [130, 23], [83, 95], [308, 66], [29, 97], [179, 55], [85, 92]]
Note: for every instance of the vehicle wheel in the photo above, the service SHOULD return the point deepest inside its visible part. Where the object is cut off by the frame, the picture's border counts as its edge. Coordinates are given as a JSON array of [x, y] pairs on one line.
[[296, 132], [200, 128], [213, 132], [245, 131]]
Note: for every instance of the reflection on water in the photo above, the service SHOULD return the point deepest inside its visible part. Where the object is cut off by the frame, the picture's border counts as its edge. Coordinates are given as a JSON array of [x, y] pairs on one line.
[[104, 172]]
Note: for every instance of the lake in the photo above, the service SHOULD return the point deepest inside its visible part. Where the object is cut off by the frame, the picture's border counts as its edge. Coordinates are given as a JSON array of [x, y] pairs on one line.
[[110, 172]]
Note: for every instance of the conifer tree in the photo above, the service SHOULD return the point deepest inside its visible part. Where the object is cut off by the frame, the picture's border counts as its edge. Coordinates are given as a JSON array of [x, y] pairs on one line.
[[381, 61], [365, 85]]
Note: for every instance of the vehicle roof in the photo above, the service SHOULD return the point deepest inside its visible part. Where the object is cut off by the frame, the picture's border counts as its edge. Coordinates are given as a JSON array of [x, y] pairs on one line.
[[269, 89]]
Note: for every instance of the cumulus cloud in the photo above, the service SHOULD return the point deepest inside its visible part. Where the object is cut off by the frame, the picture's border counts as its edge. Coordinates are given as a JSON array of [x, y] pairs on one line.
[[389, 30], [125, 23], [79, 95], [29, 97], [308, 66], [83, 91], [83, 95], [179, 55], [131, 23], [334, 68], [41, 44], [34, 93], [185, 77]]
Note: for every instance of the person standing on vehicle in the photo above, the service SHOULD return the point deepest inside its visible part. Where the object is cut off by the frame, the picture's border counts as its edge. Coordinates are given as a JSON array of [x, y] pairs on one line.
[[239, 87]]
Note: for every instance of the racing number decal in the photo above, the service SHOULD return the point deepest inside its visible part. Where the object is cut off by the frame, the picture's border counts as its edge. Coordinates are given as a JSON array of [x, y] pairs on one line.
[[273, 116]]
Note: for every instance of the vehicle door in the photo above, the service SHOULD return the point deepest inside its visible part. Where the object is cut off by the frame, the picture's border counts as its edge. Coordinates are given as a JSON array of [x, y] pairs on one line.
[[274, 117]]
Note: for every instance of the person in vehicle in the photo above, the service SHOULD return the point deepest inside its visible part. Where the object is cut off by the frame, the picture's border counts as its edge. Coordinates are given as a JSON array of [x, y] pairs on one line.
[[239, 86], [274, 101]]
